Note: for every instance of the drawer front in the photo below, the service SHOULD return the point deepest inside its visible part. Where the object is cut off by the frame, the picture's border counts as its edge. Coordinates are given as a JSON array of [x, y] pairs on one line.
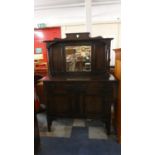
[[62, 88], [55, 88], [100, 88], [95, 88]]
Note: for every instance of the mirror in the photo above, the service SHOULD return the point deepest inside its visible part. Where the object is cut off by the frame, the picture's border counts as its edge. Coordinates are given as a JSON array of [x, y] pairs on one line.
[[78, 58]]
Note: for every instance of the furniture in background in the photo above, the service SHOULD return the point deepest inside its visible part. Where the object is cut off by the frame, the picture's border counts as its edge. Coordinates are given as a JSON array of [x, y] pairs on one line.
[[117, 73], [40, 92], [40, 68], [87, 90]]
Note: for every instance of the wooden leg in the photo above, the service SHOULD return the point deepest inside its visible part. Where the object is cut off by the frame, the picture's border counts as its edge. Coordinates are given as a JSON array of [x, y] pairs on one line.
[[49, 126], [49, 122], [108, 122], [115, 118], [36, 135], [108, 127]]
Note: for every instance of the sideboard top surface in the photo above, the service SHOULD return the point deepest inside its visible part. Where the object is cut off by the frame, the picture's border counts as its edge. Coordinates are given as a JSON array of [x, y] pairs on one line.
[[111, 78]]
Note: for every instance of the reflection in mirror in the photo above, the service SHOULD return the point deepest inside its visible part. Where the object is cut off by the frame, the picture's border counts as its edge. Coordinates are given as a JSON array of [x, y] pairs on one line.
[[78, 58]]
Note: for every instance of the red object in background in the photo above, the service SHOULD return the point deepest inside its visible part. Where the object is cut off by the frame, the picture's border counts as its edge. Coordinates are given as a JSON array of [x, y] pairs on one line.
[[36, 101], [43, 34]]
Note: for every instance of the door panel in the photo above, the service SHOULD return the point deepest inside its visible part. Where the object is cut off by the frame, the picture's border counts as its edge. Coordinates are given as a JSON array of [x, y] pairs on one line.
[[94, 105], [60, 105]]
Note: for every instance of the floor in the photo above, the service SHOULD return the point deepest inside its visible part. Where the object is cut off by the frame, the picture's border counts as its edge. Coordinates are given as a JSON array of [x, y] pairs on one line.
[[65, 127], [86, 136]]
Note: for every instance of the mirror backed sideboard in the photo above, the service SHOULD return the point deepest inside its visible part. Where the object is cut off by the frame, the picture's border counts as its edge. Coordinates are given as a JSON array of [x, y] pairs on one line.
[[79, 83]]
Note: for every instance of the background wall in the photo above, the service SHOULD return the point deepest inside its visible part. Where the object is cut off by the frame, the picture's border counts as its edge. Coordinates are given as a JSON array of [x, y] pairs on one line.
[[71, 17], [43, 34]]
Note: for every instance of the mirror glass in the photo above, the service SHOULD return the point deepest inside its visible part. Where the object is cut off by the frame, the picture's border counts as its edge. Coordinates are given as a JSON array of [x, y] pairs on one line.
[[78, 58]]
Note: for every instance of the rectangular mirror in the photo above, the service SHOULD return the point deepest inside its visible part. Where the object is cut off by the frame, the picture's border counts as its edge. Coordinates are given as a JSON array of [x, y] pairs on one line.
[[78, 58]]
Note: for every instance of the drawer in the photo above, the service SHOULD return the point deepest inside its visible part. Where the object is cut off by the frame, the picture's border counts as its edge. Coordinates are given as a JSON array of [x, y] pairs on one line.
[[99, 88], [75, 88], [95, 88], [59, 88], [54, 88]]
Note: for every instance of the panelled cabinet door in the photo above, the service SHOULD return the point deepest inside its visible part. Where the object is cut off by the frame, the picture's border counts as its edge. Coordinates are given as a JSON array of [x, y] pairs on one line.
[[94, 105], [60, 105]]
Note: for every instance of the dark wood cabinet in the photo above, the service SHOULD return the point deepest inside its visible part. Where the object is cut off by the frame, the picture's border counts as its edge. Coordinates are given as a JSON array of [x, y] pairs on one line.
[[79, 84]]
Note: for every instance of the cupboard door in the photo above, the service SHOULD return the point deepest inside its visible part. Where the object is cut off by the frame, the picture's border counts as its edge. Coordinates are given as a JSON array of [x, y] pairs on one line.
[[60, 105], [94, 105]]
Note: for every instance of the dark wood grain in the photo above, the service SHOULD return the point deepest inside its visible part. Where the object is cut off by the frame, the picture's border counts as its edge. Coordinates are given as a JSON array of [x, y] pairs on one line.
[[80, 94], [36, 135]]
